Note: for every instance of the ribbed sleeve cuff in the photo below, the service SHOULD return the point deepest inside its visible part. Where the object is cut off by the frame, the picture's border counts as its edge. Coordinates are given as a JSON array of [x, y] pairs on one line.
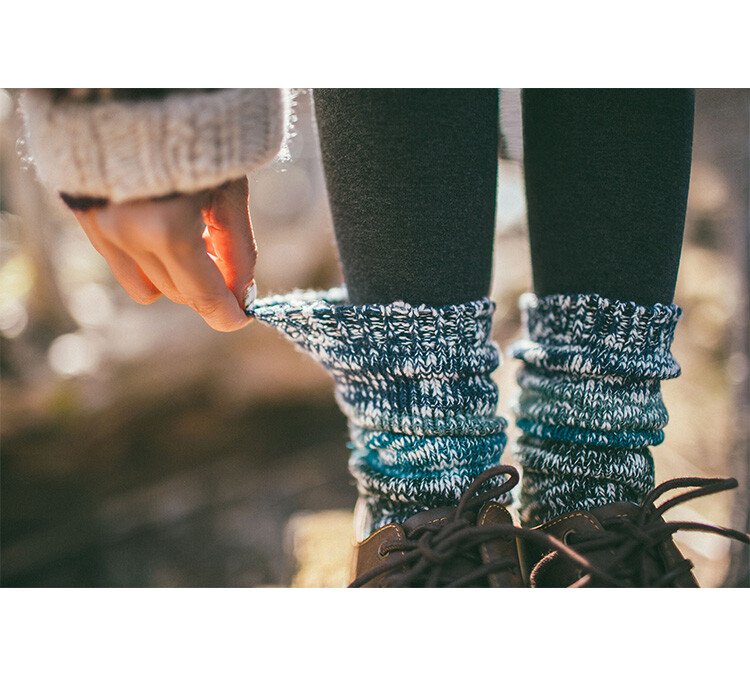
[[123, 150]]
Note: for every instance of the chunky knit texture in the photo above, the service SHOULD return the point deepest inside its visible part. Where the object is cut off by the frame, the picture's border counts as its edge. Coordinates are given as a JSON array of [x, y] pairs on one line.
[[414, 383], [590, 404], [122, 150]]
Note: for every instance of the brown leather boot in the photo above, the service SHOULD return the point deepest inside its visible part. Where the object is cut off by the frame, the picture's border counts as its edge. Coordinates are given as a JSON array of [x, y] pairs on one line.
[[621, 544], [470, 545]]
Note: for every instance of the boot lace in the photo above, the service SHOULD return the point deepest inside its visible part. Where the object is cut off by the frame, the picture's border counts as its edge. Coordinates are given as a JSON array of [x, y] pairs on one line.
[[634, 539], [429, 551]]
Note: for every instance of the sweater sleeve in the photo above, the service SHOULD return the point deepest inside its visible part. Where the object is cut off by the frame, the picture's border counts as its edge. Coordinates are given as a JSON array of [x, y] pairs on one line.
[[111, 148]]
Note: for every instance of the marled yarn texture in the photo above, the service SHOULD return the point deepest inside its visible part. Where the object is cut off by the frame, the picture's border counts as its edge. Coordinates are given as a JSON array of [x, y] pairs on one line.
[[414, 383], [590, 403]]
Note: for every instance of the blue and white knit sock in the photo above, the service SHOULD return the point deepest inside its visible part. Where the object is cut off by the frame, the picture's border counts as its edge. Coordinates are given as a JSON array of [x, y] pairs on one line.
[[590, 403], [414, 383]]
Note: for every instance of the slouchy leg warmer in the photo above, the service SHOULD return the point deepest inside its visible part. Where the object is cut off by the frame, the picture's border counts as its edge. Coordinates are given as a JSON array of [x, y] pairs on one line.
[[590, 404], [415, 385]]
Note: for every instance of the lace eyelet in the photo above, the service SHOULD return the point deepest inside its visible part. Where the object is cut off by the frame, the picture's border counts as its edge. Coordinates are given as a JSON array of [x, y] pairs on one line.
[[566, 537], [382, 552]]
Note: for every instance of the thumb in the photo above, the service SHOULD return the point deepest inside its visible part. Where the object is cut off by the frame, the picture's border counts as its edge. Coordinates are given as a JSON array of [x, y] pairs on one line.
[[232, 243]]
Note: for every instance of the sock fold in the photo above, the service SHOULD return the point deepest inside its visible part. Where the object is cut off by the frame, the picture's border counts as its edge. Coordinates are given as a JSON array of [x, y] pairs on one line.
[[590, 403], [415, 385]]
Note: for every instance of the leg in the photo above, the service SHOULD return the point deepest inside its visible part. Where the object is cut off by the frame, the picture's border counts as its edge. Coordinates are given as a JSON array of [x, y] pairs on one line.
[[607, 175], [411, 178]]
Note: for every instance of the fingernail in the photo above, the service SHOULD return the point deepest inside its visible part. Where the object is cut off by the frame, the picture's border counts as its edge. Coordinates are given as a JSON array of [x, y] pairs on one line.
[[250, 295]]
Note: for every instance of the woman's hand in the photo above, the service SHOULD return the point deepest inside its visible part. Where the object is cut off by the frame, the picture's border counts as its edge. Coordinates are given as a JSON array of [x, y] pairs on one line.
[[197, 250]]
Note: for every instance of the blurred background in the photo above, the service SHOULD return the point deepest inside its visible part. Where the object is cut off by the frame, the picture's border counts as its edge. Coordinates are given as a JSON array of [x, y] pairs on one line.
[[141, 448]]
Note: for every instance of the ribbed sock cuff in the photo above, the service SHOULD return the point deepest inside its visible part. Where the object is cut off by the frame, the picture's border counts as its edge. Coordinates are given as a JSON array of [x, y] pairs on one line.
[[415, 384], [590, 401]]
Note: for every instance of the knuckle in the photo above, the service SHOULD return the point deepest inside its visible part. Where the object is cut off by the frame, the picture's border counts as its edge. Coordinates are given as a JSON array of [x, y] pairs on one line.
[[207, 307], [218, 315], [145, 297]]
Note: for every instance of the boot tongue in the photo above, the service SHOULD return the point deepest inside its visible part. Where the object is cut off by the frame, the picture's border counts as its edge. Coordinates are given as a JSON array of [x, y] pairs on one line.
[[460, 564], [618, 509], [436, 516], [555, 572]]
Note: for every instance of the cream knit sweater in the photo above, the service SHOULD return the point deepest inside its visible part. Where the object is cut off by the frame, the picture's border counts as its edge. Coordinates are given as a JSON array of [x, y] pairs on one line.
[[122, 150]]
